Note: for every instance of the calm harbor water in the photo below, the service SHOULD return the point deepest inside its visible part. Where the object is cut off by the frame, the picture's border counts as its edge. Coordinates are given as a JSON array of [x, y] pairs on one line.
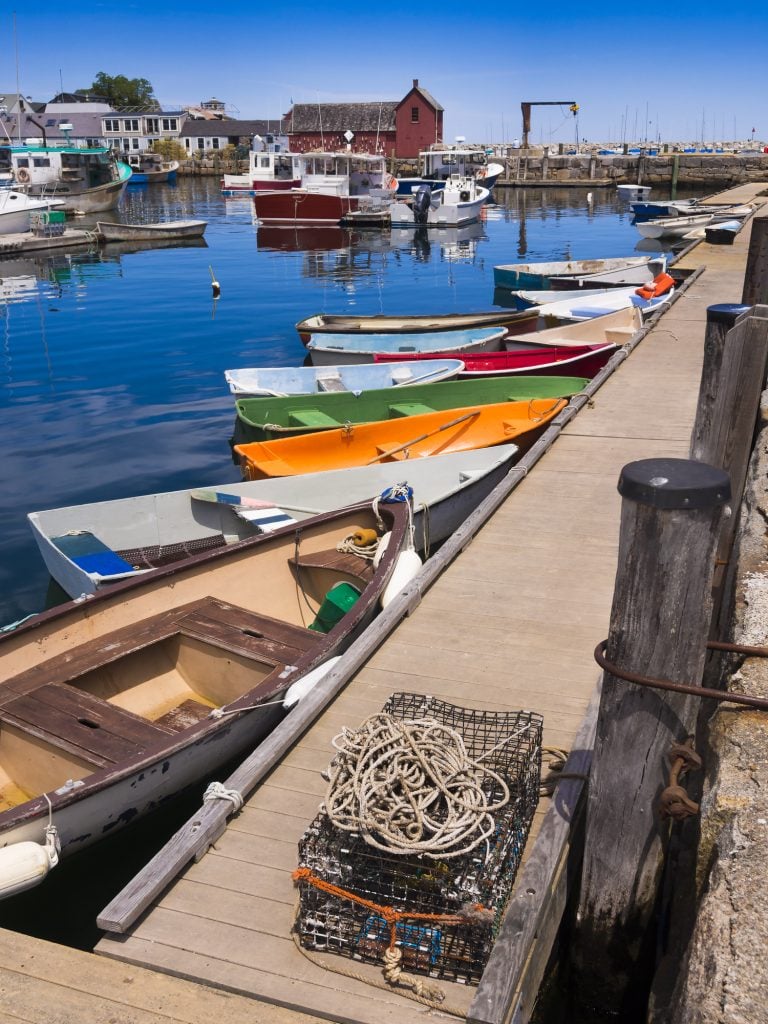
[[112, 360]]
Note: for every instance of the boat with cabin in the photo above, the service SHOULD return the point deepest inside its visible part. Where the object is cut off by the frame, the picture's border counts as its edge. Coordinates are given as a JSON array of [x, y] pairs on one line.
[[438, 165], [87, 179], [268, 171], [333, 186], [150, 168], [459, 200]]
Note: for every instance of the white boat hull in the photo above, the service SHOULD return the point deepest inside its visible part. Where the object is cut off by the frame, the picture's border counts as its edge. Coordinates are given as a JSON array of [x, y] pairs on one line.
[[442, 214]]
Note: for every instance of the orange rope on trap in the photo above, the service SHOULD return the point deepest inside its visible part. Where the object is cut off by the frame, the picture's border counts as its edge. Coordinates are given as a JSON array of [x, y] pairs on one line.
[[473, 914]]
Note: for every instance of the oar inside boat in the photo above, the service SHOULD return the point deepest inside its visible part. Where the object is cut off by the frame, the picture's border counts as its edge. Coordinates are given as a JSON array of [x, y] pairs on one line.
[[423, 437]]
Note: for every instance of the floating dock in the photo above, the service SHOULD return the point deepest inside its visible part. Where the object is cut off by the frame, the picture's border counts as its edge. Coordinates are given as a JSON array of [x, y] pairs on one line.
[[510, 624], [26, 241]]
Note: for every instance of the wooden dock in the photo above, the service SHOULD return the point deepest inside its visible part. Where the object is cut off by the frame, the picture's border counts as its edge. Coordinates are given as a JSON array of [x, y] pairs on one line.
[[25, 241], [511, 624]]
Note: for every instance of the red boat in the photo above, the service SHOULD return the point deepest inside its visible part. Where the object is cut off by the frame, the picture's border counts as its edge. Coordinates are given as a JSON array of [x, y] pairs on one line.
[[581, 360], [333, 185]]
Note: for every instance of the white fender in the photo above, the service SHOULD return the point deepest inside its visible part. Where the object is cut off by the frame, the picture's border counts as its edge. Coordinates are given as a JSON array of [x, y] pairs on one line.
[[23, 865], [383, 545], [407, 565], [302, 686]]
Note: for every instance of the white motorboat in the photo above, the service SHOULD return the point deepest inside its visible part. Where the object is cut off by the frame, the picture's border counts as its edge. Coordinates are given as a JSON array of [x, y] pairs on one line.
[[459, 201]]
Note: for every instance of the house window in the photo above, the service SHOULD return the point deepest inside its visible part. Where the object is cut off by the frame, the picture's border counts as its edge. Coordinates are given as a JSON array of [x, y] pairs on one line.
[[153, 125], [414, 115], [111, 124], [186, 143], [170, 124], [131, 124], [215, 143], [135, 143], [201, 143]]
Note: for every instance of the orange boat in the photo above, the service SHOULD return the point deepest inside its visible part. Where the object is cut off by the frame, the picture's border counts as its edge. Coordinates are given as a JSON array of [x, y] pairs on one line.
[[412, 437]]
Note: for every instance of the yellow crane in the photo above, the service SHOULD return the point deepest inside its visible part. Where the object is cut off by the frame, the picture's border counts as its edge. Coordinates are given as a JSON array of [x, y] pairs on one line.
[[526, 109]]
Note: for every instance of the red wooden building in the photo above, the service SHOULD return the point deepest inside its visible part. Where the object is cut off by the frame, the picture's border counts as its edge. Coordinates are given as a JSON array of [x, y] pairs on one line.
[[395, 128]]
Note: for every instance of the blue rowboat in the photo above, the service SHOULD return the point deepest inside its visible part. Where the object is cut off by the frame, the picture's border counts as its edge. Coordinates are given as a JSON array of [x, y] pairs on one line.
[[362, 348]]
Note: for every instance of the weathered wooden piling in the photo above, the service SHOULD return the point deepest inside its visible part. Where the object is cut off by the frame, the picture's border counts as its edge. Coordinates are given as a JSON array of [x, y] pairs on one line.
[[659, 625], [756, 273]]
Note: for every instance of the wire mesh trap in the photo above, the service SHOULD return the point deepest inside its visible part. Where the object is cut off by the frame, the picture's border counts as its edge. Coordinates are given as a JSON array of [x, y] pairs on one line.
[[440, 899]]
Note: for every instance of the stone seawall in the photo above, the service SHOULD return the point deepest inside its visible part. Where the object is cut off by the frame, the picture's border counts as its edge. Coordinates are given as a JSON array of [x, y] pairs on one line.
[[692, 171]]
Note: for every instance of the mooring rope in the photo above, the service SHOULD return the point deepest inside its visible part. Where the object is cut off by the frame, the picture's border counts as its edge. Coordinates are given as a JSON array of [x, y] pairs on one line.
[[411, 787]]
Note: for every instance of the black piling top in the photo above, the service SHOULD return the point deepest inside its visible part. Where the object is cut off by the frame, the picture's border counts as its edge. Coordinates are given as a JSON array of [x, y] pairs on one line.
[[674, 483], [726, 313]]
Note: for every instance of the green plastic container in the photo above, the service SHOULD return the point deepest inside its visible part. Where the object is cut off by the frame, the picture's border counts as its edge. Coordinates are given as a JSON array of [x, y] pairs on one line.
[[54, 217], [337, 602]]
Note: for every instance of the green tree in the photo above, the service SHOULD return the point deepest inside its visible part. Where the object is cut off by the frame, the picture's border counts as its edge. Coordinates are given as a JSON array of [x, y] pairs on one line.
[[169, 149], [120, 91]]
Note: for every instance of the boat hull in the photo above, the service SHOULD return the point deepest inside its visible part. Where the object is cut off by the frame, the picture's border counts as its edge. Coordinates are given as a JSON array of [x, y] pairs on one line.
[[538, 276], [92, 200], [584, 361], [322, 323], [115, 232], [330, 349], [299, 206], [440, 215]]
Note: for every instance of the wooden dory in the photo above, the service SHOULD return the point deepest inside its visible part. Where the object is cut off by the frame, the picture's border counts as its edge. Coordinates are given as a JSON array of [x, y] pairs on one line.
[[341, 323], [311, 380], [586, 360], [261, 419], [329, 349], [113, 232], [539, 275], [106, 705], [611, 328], [412, 438], [151, 530]]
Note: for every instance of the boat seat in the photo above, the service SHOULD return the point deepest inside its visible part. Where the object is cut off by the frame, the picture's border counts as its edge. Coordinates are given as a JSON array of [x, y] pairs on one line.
[[335, 561], [409, 409], [330, 382], [316, 419], [245, 632], [618, 335], [91, 554], [93, 729]]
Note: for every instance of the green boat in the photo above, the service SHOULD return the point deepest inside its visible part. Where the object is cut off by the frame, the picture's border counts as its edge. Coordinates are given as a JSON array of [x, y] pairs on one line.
[[264, 419]]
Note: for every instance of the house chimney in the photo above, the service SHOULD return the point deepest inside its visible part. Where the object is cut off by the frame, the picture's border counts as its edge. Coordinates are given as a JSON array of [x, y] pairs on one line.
[[415, 83]]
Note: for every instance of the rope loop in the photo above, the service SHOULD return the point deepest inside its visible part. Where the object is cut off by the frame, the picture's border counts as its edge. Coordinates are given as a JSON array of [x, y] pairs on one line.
[[218, 791]]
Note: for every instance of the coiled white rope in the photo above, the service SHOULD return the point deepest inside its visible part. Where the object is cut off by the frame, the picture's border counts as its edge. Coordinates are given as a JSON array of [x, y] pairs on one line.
[[409, 786]]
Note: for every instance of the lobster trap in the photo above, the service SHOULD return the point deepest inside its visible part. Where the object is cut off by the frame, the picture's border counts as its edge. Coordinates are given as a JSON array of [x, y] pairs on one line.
[[442, 912]]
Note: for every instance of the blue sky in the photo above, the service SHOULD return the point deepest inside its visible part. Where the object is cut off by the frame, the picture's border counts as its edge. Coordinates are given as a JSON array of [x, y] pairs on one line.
[[636, 70]]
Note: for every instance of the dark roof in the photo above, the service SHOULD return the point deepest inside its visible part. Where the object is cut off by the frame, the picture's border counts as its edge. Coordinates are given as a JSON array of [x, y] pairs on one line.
[[84, 126], [78, 97], [341, 117], [230, 127], [423, 93]]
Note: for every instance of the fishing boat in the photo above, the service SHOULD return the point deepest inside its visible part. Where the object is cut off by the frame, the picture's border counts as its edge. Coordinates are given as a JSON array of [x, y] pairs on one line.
[[333, 185], [330, 349], [16, 207], [279, 381], [514, 276], [160, 231], [151, 530], [583, 360], [86, 179], [261, 419], [413, 437], [150, 168], [345, 323], [439, 164], [268, 171], [459, 200], [110, 707]]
